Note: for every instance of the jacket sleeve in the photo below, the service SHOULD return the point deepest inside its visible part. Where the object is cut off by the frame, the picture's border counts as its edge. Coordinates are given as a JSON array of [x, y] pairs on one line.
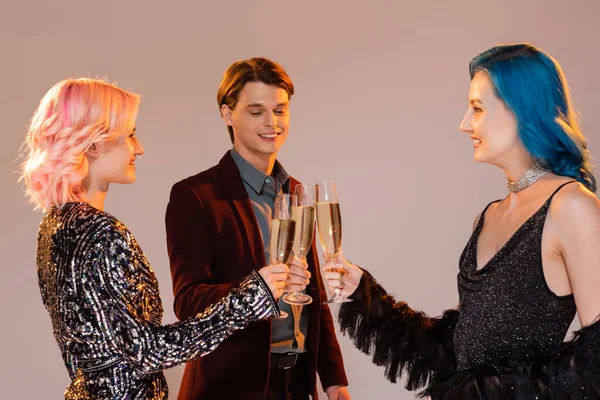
[[190, 249], [399, 338], [569, 372], [109, 288]]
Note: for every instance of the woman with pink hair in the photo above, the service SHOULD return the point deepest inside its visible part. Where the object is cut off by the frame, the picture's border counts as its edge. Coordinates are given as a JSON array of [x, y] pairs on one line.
[[99, 289]]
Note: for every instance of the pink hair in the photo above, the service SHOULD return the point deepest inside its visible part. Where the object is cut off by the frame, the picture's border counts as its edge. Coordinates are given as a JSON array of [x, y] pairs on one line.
[[71, 117]]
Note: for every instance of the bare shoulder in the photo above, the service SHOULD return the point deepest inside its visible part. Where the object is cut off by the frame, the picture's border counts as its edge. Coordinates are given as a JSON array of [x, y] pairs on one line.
[[574, 203], [489, 209], [477, 218]]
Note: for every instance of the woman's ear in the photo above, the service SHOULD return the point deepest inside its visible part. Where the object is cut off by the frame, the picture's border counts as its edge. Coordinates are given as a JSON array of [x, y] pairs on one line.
[[93, 151]]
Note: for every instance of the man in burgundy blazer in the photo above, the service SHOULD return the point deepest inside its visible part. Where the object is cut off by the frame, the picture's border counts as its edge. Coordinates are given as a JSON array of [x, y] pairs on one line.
[[214, 240]]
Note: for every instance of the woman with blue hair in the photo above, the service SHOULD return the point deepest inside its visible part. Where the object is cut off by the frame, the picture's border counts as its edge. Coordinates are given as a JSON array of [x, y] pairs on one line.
[[531, 263]]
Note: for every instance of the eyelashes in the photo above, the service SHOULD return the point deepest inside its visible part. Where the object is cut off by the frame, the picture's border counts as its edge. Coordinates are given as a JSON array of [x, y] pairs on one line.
[[276, 112]]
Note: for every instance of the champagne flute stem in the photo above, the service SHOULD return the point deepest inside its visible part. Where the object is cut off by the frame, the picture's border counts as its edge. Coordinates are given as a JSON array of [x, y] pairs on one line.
[[337, 292]]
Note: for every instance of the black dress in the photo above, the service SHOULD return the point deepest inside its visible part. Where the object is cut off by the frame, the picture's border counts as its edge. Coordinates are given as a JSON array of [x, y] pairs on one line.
[[505, 342]]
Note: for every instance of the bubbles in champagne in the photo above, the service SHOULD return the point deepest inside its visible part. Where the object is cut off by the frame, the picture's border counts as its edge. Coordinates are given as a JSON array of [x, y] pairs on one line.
[[305, 229], [281, 240], [329, 224]]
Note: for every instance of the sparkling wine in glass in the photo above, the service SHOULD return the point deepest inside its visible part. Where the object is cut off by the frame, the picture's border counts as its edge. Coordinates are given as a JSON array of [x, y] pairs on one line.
[[282, 231], [329, 225], [304, 215]]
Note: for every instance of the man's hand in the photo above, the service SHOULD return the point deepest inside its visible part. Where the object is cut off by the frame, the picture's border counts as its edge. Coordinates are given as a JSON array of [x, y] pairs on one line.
[[337, 393], [298, 276], [275, 277]]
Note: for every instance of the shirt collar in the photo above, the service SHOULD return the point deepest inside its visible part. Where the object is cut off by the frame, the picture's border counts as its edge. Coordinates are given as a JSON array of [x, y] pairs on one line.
[[257, 179]]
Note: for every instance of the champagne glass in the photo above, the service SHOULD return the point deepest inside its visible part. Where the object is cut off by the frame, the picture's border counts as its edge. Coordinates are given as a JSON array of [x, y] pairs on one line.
[[304, 215], [329, 224], [281, 237]]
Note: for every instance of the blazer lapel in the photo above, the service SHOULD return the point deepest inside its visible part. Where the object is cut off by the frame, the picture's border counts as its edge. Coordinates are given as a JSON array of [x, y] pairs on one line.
[[240, 204]]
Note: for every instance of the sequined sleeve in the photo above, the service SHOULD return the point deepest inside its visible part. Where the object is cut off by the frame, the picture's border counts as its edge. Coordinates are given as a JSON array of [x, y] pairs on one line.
[[124, 319], [403, 340]]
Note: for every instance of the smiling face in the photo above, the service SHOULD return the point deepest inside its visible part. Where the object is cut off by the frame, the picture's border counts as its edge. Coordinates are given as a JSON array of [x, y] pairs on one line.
[[491, 125], [260, 120], [114, 161]]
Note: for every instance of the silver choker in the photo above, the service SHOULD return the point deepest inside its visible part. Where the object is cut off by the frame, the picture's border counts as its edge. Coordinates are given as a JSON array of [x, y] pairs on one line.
[[530, 176]]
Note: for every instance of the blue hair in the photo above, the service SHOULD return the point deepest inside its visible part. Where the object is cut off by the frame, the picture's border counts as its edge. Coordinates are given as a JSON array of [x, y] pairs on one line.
[[533, 86]]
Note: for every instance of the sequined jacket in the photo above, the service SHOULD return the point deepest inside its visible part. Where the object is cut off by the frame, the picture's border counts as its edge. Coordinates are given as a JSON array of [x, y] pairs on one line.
[[104, 303], [411, 344]]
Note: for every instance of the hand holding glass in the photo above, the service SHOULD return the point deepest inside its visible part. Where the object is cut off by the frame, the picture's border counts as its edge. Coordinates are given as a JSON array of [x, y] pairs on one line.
[[282, 231], [329, 225], [304, 215]]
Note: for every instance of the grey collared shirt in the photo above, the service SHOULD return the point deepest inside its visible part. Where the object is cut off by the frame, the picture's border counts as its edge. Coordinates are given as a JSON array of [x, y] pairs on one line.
[[287, 334]]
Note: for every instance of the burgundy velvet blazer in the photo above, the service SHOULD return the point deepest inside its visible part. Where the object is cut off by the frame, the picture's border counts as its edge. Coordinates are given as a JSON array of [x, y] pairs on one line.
[[214, 241]]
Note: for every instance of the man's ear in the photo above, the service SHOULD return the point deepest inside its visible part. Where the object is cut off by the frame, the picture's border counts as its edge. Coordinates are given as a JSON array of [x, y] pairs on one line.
[[227, 114]]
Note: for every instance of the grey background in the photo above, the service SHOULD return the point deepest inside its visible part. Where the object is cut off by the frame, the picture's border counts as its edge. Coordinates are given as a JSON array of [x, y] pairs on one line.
[[381, 89]]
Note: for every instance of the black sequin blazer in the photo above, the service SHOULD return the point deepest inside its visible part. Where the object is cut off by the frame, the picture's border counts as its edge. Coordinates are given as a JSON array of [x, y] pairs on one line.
[[104, 303]]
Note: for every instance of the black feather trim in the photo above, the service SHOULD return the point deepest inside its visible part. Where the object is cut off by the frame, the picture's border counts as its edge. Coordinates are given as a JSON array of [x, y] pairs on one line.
[[399, 338], [570, 372]]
